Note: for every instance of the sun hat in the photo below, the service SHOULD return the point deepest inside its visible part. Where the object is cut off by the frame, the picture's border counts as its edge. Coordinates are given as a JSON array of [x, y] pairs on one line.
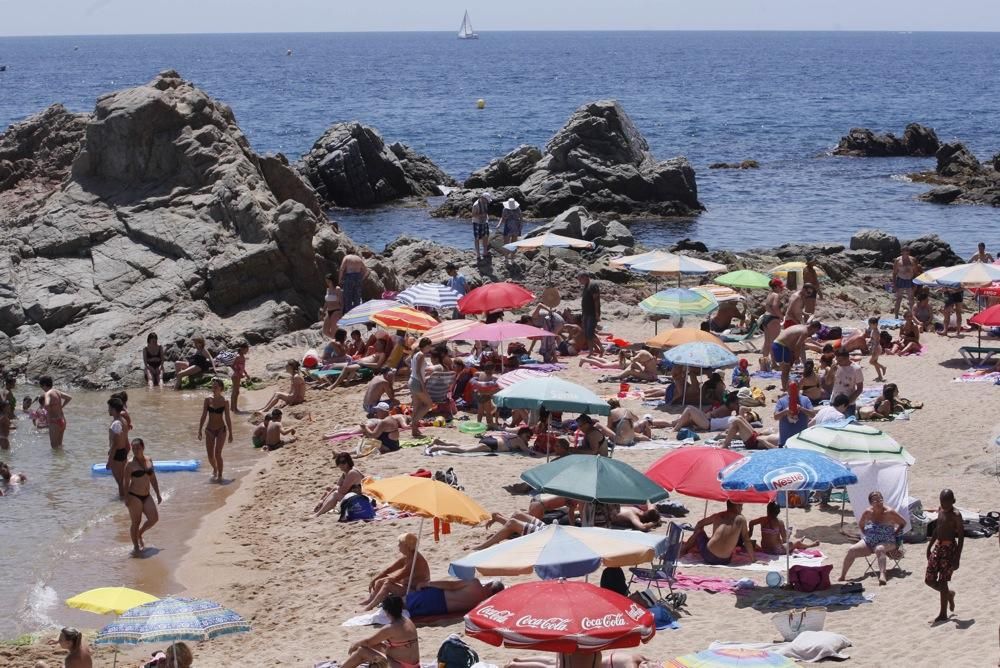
[[381, 406], [776, 283], [744, 362], [511, 204]]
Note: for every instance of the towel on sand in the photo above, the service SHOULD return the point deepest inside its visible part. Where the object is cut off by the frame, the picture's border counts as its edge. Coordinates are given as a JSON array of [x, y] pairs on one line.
[[977, 377], [372, 618], [765, 562], [824, 599], [655, 444], [696, 583]]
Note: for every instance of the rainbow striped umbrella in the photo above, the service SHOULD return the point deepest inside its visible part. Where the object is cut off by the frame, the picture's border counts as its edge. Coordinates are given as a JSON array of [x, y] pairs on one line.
[[363, 313], [671, 264], [679, 302], [725, 657], [172, 619], [404, 318], [450, 329]]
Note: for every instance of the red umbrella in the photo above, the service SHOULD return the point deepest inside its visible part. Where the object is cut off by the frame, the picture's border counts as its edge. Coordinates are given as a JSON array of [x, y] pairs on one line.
[[560, 616], [495, 297], [695, 472], [989, 291], [989, 317]]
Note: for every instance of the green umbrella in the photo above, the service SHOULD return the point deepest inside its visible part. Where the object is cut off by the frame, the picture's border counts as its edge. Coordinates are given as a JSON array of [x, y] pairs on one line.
[[553, 393], [594, 479], [745, 279]]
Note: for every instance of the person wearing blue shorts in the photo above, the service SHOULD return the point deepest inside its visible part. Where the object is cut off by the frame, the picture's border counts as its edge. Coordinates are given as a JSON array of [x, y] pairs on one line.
[[450, 597], [904, 269], [789, 345]]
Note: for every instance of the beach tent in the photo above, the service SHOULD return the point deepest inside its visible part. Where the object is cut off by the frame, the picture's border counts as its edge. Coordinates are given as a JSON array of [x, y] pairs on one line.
[[890, 478]]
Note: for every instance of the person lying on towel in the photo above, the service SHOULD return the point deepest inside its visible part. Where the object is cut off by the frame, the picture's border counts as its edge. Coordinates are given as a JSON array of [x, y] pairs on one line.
[[449, 597]]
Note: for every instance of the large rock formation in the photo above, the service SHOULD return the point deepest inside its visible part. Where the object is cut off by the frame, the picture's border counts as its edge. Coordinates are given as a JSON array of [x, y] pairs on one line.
[[578, 223], [885, 245], [598, 160], [351, 166], [166, 221], [961, 178], [917, 141]]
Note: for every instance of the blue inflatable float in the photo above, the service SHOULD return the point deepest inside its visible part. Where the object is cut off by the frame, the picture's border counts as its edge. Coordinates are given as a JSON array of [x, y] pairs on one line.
[[161, 466]]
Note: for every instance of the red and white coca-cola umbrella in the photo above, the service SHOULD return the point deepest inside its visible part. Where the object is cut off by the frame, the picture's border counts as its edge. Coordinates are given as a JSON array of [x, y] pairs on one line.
[[560, 616]]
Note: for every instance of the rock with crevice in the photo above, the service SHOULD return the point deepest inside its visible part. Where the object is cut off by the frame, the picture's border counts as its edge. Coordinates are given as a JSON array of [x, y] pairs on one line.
[[164, 220], [960, 178], [510, 170], [917, 141]]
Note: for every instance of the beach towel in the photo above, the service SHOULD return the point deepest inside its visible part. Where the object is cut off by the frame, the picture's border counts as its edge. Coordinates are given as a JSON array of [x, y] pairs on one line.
[[389, 513], [696, 583], [809, 646], [782, 601], [890, 323], [343, 435], [764, 563], [372, 618], [545, 367], [656, 444], [978, 377], [416, 442], [766, 374]]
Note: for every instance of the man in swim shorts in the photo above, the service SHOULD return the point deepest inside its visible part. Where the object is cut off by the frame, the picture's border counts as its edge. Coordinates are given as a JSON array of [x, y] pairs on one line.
[[481, 225], [788, 346], [944, 552], [729, 529], [377, 387], [590, 312], [352, 275], [904, 270], [55, 401], [386, 430], [444, 597]]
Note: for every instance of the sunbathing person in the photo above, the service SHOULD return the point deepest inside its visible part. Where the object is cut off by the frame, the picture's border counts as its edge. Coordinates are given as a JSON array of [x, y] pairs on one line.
[[502, 442], [729, 529], [378, 387], [643, 366], [594, 442], [623, 425], [717, 419], [296, 391], [685, 388], [518, 524], [450, 597], [923, 315], [394, 578], [773, 535], [349, 370], [395, 645], [386, 429], [888, 404], [740, 428], [631, 517], [349, 482], [909, 336], [881, 527], [603, 362]]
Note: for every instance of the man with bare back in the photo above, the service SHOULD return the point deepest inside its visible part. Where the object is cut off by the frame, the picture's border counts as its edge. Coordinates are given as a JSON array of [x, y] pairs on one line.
[[55, 400], [728, 527]]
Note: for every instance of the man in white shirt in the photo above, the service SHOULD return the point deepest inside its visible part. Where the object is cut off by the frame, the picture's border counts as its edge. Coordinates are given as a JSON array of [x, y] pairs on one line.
[[835, 412], [848, 380]]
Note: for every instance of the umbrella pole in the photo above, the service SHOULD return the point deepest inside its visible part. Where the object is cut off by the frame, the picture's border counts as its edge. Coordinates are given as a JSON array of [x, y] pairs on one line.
[[843, 509], [788, 540], [706, 510], [413, 565]]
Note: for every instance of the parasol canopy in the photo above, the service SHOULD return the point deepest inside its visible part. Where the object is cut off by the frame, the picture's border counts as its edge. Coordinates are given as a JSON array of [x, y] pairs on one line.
[[695, 472], [404, 318], [594, 479], [495, 297]]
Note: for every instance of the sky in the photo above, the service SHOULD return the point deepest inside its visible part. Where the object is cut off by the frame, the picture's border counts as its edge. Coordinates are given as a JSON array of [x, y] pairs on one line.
[[87, 17]]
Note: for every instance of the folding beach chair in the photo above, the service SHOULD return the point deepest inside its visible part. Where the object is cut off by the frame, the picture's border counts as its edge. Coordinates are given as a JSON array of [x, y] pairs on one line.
[[742, 338], [895, 556], [662, 571]]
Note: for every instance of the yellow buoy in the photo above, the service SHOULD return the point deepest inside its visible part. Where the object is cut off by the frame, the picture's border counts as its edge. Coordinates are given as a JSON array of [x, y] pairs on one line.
[[480, 103]]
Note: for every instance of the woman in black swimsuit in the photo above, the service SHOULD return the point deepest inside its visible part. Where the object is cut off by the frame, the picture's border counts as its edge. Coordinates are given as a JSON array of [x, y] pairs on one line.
[[152, 360], [117, 443], [199, 362], [216, 411], [139, 477], [811, 385]]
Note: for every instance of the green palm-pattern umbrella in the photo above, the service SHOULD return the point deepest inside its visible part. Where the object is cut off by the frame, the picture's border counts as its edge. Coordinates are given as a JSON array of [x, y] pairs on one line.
[[745, 279], [594, 479], [850, 442]]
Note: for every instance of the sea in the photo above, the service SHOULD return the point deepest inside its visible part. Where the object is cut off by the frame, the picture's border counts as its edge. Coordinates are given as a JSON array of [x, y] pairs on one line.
[[781, 98]]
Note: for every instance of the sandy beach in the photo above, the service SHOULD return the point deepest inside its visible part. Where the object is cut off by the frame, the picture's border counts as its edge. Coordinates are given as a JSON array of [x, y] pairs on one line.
[[297, 578]]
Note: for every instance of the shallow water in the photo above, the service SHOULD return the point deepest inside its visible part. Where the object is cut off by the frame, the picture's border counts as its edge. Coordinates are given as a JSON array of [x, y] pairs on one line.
[[65, 531]]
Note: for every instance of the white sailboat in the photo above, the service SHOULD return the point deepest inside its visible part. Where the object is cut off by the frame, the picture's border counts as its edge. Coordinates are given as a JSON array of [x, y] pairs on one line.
[[466, 32]]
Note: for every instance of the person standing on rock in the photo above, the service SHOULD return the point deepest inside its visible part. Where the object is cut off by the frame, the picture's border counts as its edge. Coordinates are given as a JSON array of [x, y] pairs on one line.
[[55, 402], [480, 225], [904, 270], [352, 275], [8, 407], [590, 312], [510, 223]]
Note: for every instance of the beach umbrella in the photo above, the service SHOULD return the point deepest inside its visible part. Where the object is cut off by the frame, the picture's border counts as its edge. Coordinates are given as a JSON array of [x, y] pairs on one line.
[[517, 375], [970, 275], [679, 302], [504, 331], [728, 657], [675, 264], [720, 292], [427, 498], [850, 442], [701, 354], [404, 318], [784, 470], [495, 297], [548, 241], [560, 616], [626, 261], [110, 600], [695, 472], [553, 393], [745, 279], [450, 329], [593, 479], [988, 317], [561, 552], [676, 336], [430, 295], [363, 313]]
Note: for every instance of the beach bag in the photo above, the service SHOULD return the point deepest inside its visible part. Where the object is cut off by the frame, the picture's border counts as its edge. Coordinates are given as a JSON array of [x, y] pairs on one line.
[[790, 624], [810, 578], [356, 507], [226, 358], [454, 653]]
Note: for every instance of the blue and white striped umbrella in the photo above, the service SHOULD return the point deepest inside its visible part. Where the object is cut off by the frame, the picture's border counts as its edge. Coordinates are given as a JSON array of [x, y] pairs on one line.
[[172, 619], [701, 354], [363, 313], [781, 470], [431, 295], [561, 552]]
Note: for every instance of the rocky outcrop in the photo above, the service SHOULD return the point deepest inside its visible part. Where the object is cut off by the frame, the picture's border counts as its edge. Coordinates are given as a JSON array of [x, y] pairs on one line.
[[578, 223], [932, 251], [746, 164], [884, 245], [351, 166], [166, 221], [510, 170], [917, 141], [40, 148], [961, 178], [598, 160]]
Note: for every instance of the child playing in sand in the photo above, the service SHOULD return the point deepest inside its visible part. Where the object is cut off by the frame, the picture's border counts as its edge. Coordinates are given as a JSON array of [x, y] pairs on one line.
[[875, 347], [774, 536], [274, 432]]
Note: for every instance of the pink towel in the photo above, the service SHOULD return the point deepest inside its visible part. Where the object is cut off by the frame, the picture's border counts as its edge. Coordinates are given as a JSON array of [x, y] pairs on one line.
[[698, 583], [343, 435]]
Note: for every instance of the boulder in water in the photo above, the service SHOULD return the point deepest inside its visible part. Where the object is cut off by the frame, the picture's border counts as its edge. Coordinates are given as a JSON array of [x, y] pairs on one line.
[[917, 141], [961, 178], [745, 164]]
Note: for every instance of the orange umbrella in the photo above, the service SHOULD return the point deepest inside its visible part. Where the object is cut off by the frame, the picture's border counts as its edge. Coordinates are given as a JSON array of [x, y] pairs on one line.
[[405, 318], [681, 335], [449, 329]]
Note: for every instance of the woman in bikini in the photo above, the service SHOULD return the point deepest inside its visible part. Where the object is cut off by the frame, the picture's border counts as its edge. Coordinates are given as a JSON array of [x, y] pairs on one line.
[[770, 321], [296, 392], [8, 408], [503, 442], [349, 482], [909, 336], [396, 644], [199, 362], [117, 444], [139, 478], [216, 412], [152, 360], [774, 536], [485, 385], [811, 386], [333, 309]]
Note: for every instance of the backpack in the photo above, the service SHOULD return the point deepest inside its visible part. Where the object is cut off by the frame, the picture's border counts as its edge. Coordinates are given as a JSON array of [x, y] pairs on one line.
[[356, 507], [454, 653], [810, 578]]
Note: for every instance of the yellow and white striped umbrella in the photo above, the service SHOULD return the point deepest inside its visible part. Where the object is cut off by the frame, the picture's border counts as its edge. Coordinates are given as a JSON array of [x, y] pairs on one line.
[[970, 275]]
